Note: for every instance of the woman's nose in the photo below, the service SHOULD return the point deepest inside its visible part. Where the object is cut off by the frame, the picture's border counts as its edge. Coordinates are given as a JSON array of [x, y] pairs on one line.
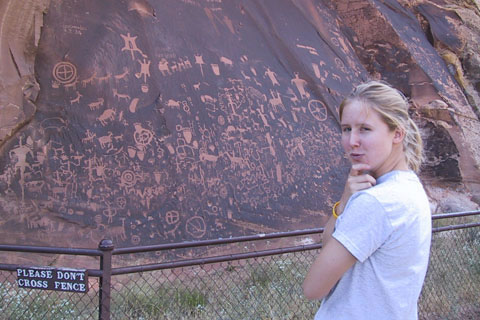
[[354, 139]]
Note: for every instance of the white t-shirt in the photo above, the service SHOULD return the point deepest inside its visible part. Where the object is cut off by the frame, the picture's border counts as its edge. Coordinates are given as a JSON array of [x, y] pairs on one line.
[[387, 228]]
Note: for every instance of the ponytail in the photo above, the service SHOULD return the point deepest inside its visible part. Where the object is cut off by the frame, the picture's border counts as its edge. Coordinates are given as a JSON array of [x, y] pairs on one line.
[[413, 146]]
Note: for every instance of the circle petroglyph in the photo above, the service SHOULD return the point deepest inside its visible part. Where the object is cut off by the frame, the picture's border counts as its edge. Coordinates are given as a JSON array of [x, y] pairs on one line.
[[142, 136], [172, 217], [65, 72], [128, 178], [317, 109], [135, 239], [196, 227]]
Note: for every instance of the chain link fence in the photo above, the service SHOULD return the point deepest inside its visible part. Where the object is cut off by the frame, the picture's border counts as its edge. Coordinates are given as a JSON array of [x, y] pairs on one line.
[[259, 284]]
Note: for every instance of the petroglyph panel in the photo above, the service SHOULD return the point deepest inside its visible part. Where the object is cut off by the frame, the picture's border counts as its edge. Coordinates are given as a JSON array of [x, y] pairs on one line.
[[180, 120]]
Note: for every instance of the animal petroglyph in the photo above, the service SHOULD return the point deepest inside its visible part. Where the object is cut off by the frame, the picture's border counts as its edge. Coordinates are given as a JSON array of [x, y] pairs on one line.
[[107, 116], [97, 104], [120, 96]]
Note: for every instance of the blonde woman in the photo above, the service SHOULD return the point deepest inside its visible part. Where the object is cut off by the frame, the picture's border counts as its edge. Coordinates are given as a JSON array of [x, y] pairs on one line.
[[376, 244]]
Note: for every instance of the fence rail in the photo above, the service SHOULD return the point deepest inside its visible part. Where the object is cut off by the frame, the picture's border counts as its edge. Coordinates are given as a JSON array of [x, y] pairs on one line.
[[253, 282]]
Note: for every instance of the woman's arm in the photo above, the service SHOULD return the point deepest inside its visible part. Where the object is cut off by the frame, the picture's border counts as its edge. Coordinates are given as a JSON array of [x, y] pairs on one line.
[[330, 265], [334, 259]]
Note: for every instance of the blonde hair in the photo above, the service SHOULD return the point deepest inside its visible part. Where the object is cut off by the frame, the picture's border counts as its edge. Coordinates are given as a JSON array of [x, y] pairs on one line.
[[392, 106]]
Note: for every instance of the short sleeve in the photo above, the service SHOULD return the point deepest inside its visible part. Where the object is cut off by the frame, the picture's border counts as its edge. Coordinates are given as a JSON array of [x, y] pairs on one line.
[[363, 226]]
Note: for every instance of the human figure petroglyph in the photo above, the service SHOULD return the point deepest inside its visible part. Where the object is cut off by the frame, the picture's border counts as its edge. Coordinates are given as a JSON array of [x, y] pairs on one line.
[[106, 116], [97, 104], [183, 65], [20, 154], [144, 70], [77, 99], [300, 84], [187, 63], [199, 61], [109, 212], [120, 96], [131, 45], [96, 172], [272, 76], [175, 67]]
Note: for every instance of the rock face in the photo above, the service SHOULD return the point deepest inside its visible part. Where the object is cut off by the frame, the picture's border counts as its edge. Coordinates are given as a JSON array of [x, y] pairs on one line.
[[162, 121]]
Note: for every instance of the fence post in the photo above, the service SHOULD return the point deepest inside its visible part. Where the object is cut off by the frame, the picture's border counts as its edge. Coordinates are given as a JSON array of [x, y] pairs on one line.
[[106, 246]]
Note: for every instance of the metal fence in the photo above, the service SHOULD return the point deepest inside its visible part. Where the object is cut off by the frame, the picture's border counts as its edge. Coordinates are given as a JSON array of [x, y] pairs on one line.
[[254, 280]]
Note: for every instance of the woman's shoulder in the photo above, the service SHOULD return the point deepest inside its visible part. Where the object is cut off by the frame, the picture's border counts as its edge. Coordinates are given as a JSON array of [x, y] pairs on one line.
[[397, 182]]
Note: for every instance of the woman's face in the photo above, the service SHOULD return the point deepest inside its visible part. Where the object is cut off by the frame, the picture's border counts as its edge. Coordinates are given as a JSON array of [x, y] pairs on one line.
[[367, 139]]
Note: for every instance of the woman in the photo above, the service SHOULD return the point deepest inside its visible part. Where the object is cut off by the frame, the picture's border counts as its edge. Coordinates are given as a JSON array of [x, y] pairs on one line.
[[376, 244]]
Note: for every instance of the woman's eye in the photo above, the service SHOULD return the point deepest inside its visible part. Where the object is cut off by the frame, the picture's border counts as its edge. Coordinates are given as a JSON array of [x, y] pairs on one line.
[[365, 129], [346, 129]]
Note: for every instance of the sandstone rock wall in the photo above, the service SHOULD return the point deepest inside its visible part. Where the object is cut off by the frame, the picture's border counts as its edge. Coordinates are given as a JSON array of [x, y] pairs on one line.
[[162, 121]]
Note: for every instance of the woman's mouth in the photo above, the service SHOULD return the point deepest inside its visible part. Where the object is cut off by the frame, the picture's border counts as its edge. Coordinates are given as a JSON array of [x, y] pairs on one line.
[[356, 156]]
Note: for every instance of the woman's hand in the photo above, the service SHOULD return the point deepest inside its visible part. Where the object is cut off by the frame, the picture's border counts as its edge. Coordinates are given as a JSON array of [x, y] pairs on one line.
[[358, 179]]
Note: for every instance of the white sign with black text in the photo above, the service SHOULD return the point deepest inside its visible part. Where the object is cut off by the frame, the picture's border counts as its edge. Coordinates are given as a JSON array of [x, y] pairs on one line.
[[59, 279]]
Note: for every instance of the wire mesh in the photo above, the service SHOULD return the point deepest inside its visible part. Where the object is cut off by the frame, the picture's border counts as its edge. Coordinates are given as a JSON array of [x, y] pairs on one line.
[[254, 288], [452, 285], [257, 288], [270, 287]]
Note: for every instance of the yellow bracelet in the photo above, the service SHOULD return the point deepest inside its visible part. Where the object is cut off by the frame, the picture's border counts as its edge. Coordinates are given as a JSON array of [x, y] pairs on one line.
[[334, 213]]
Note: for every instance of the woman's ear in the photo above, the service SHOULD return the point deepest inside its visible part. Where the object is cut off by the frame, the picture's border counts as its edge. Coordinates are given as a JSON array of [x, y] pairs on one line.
[[398, 136]]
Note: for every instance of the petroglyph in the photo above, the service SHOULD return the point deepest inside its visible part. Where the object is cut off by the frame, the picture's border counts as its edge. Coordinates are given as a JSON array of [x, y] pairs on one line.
[[65, 73], [131, 45]]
